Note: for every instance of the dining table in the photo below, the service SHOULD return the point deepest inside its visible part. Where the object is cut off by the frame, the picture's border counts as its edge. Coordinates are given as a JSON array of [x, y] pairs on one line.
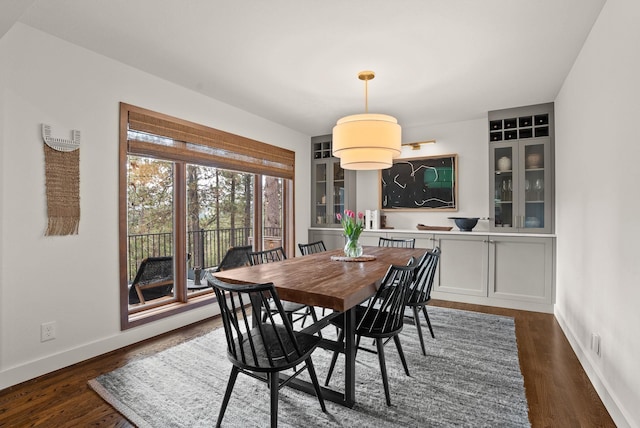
[[329, 281]]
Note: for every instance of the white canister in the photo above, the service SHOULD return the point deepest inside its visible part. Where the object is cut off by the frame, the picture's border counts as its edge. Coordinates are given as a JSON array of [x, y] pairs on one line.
[[504, 164]]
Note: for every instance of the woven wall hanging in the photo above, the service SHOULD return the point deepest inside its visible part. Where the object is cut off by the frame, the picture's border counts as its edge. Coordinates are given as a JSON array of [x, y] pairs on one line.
[[62, 173]]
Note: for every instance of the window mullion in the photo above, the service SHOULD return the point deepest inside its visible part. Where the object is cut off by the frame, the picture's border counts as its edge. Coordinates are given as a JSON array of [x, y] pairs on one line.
[[258, 220], [180, 232]]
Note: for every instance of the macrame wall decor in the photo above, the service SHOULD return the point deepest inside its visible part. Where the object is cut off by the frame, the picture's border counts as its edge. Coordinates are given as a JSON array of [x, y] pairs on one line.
[[62, 173]]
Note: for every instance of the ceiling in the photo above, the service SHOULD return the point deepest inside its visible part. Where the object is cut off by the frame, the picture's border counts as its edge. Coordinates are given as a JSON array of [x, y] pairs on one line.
[[295, 62]]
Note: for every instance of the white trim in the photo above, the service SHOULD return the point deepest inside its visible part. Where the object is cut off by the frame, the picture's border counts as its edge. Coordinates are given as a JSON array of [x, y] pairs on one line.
[[50, 363], [600, 384]]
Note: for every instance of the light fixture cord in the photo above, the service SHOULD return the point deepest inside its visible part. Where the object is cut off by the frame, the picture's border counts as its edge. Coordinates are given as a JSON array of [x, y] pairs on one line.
[[366, 95]]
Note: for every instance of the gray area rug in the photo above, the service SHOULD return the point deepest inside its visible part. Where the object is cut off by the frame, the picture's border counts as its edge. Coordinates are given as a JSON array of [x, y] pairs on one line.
[[470, 378]]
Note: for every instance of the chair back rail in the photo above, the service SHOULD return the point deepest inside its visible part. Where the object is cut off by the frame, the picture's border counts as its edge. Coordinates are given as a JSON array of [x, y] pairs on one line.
[[385, 312], [312, 248], [398, 243], [420, 288], [267, 256]]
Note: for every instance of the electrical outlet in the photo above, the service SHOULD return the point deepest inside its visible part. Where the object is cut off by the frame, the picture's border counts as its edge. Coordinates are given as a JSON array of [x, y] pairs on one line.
[[47, 331], [595, 343]]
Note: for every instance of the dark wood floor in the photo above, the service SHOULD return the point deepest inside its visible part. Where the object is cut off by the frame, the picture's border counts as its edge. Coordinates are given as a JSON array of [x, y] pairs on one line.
[[558, 390]]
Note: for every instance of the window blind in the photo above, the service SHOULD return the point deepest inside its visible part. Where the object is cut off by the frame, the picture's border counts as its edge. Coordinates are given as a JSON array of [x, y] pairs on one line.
[[159, 135]]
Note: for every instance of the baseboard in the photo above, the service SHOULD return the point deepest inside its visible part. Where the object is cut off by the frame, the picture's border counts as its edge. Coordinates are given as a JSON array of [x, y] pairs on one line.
[[33, 369], [521, 305], [600, 384]]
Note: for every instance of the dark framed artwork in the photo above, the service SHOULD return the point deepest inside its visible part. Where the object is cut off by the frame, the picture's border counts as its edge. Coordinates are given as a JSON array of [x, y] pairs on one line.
[[427, 183]]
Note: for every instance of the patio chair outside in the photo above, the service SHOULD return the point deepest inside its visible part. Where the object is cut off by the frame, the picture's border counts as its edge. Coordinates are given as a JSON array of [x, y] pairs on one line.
[[153, 280], [234, 258]]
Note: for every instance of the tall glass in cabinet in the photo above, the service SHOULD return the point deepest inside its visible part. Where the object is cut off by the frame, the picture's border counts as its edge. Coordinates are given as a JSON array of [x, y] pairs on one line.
[[332, 188], [521, 184]]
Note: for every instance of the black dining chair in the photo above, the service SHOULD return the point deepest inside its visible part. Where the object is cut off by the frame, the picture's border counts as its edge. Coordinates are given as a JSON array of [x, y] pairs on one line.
[[266, 256], [276, 255], [398, 243], [266, 349], [312, 248], [419, 293], [382, 318]]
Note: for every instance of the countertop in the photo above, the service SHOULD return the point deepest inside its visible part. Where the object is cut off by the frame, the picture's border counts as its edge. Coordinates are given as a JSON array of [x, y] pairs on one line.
[[453, 231]]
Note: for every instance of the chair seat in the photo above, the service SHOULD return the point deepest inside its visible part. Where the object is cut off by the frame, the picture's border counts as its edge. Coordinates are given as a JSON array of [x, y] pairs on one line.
[[375, 324], [276, 350]]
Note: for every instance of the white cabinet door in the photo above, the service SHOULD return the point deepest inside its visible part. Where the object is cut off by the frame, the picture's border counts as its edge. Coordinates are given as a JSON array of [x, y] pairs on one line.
[[521, 269], [369, 238], [463, 265], [332, 238]]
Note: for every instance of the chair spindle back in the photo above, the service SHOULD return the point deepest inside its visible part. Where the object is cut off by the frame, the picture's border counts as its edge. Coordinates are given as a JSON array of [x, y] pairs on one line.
[[269, 344], [312, 248], [267, 256], [385, 312], [420, 288], [398, 243]]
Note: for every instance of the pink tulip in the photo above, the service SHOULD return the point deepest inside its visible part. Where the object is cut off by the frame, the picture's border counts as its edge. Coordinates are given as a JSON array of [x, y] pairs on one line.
[[360, 215], [339, 217]]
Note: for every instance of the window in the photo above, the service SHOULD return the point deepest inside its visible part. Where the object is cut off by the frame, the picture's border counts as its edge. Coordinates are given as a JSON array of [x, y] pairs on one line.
[[187, 194]]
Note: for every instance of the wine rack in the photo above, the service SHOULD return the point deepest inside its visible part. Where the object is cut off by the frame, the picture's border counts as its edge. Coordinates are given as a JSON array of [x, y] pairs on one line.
[[514, 128]]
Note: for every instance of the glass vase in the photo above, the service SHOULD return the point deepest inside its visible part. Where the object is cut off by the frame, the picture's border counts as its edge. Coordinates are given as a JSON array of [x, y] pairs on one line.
[[353, 248]]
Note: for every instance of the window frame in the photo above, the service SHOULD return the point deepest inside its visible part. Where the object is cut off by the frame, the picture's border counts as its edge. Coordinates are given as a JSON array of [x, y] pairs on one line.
[[196, 144]]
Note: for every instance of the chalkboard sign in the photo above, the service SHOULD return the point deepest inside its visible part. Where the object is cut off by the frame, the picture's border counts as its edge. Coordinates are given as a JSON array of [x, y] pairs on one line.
[[427, 183]]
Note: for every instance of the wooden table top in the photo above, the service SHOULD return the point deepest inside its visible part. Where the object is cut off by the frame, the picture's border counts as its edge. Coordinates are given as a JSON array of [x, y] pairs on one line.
[[317, 280]]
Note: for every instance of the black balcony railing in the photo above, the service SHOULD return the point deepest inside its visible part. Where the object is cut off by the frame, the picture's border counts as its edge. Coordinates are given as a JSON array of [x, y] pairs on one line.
[[205, 247]]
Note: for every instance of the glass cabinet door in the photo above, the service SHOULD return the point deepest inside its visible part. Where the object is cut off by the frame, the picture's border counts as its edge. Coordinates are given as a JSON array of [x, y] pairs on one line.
[[338, 191], [332, 188], [503, 186], [534, 186], [321, 192], [521, 178]]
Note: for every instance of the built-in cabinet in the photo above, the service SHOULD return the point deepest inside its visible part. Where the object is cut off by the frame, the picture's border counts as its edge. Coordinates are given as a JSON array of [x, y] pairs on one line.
[[521, 169], [509, 271], [514, 271], [333, 189]]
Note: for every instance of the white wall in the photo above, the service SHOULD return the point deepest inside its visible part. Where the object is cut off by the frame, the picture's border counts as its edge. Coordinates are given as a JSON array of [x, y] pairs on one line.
[[73, 280], [597, 177], [3, 79], [469, 140]]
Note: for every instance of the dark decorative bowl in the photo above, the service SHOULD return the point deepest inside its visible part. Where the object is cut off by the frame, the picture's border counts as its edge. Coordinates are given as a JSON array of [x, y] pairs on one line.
[[465, 224]]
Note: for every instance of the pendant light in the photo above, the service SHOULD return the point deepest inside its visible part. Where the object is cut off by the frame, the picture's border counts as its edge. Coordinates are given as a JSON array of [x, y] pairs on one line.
[[366, 141]]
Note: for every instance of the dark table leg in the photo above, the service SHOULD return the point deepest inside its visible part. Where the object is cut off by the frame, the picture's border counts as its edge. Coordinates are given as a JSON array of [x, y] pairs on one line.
[[256, 317], [350, 358], [347, 399]]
